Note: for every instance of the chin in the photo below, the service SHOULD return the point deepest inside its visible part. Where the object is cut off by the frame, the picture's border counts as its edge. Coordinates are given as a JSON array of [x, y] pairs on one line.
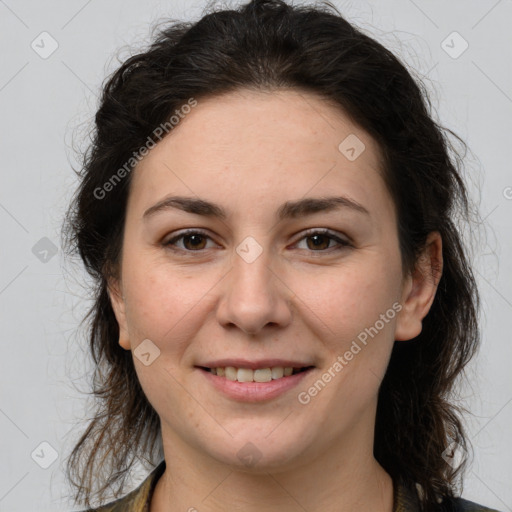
[[259, 454]]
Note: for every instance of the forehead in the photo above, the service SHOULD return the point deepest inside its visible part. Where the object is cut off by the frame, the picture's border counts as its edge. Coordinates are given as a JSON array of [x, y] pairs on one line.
[[285, 143]]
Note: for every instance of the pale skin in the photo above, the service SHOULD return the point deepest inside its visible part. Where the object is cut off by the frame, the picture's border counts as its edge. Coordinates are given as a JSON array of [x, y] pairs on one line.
[[249, 152]]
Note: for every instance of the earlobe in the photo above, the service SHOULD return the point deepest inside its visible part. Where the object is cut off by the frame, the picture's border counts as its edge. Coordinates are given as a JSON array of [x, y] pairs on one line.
[[419, 289], [117, 301]]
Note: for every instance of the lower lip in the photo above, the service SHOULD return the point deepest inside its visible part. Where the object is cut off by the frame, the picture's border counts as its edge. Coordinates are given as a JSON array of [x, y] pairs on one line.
[[254, 391]]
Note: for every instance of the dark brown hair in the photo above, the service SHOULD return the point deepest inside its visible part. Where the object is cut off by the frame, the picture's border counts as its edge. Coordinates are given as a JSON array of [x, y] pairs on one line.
[[267, 45]]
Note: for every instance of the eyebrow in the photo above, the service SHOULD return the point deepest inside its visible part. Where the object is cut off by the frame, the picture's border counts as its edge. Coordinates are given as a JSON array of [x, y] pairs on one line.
[[288, 210]]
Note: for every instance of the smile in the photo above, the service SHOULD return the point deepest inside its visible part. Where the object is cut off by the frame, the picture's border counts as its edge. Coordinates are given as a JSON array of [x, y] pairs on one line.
[[257, 375], [253, 385]]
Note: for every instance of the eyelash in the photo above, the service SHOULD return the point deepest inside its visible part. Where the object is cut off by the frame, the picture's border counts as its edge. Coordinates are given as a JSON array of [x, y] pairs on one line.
[[342, 244]]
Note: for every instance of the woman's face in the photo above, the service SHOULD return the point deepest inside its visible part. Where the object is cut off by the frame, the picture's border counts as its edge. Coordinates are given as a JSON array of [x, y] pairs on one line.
[[263, 286]]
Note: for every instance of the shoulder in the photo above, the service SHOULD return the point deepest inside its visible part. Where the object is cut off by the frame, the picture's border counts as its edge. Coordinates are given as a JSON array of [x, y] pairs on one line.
[[462, 505], [407, 499], [132, 502], [137, 500], [125, 504]]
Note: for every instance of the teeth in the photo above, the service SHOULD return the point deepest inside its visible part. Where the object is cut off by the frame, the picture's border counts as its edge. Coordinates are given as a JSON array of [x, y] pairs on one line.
[[231, 373], [244, 375], [264, 375], [248, 375], [277, 372]]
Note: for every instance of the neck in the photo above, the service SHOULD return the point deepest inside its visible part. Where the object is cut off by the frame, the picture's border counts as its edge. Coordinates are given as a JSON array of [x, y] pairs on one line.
[[344, 478]]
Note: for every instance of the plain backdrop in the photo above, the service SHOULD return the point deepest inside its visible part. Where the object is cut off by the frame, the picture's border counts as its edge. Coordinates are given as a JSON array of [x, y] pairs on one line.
[[55, 55]]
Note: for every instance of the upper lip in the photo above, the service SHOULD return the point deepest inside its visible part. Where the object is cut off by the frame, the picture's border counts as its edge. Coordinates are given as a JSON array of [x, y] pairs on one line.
[[254, 365]]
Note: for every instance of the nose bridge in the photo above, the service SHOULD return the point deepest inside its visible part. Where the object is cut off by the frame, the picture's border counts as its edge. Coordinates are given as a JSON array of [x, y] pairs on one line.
[[253, 296], [251, 275], [251, 267]]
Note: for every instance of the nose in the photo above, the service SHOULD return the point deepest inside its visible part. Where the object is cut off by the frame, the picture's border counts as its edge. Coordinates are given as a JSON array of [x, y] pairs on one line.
[[254, 296]]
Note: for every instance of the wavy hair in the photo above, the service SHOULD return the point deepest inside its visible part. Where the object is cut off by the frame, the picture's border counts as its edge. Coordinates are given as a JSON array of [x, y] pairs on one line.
[[267, 45]]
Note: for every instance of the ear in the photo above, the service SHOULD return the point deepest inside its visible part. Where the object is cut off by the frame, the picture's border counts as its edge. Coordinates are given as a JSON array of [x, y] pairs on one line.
[[420, 288], [117, 300]]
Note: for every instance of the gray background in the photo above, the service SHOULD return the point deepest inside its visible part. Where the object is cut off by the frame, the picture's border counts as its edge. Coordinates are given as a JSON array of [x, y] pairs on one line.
[[46, 107]]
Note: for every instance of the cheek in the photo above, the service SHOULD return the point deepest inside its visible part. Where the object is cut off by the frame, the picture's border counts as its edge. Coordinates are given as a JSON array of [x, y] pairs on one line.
[[357, 308], [165, 301], [351, 299]]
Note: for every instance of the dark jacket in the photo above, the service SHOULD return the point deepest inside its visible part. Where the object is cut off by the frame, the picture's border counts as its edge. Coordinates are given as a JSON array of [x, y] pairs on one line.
[[406, 500]]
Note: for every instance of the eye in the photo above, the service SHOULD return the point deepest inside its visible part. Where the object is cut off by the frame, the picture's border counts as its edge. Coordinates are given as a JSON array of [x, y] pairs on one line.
[[321, 240], [193, 240]]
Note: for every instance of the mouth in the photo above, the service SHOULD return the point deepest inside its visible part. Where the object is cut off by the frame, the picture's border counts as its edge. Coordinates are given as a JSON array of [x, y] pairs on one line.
[[263, 382], [267, 374]]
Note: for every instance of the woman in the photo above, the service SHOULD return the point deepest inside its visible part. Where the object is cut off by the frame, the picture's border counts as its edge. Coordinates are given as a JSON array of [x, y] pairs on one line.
[[283, 301]]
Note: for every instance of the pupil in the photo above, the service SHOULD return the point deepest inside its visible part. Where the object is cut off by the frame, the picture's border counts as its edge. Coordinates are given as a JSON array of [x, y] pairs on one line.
[[196, 237], [316, 238]]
